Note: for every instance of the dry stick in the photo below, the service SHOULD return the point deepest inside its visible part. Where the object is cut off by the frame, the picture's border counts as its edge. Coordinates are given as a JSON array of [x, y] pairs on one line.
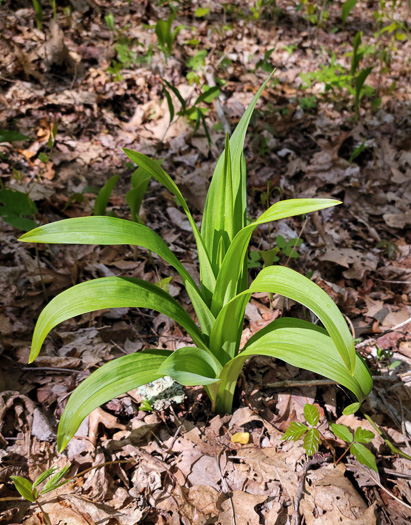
[[393, 329], [226, 488], [315, 462], [384, 489], [318, 382]]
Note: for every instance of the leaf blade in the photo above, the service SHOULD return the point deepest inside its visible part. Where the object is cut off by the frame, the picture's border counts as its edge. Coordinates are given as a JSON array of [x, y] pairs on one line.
[[24, 487], [115, 231], [364, 456], [342, 432], [109, 292], [109, 381]]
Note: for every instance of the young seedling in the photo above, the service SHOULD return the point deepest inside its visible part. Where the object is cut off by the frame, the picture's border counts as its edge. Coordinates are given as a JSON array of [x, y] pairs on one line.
[[31, 492], [313, 437], [215, 361]]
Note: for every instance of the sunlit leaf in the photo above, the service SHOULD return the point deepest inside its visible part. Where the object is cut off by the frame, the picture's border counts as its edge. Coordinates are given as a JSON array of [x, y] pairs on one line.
[[109, 292], [342, 432], [312, 441], [295, 431], [363, 436], [311, 414], [111, 380], [364, 456], [24, 486]]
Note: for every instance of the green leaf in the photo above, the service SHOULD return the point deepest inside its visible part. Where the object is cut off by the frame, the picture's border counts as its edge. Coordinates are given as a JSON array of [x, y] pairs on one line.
[[111, 230], [201, 11], [169, 104], [55, 482], [342, 432], [300, 344], [311, 414], [134, 198], [312, 441], [176, 93], [351, 409], [295, 431], [346, 9], [291, 284], [109, 292], [43, 157], [44, 476], [157, 172], [104, 195], [112, 379], [226, 332], [191, 366], [24, 486], [211, 92], [213, 211], [231, 269], [363, 436], [7, 135], [364, 456]]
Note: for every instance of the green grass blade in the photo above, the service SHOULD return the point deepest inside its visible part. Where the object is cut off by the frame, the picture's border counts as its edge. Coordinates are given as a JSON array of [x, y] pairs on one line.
[[112, 379], [157, 172], [109, 292], [300, 344], [213, 212], [191, 366], [291, 284], [113, 231], [233, 264]]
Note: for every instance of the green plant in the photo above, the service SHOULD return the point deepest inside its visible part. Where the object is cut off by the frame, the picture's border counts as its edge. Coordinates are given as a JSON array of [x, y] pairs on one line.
[[346, 9], [104, 195], [31, 492], [193, 112], [313, 437], [219, 303], [165, 36], [287, 248]]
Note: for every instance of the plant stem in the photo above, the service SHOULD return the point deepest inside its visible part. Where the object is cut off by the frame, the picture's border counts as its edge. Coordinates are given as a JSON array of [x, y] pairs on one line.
[[392, 447], [344, 453], [45, 515]]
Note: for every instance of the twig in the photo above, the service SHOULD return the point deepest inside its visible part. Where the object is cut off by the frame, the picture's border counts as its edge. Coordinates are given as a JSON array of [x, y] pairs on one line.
[[372, 340], [317, 461], [226, 488], [384, 489], [298, 238], [318, 382]]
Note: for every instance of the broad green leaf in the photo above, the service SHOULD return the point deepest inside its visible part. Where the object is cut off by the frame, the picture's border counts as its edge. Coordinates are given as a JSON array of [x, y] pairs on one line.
[[364, 456], [110, 230], [295, 431], [24, 486], [213, 211], [312, 441], [233, 265], [109, 292], [111, 380], [311, 414], [300, 344], [104, 195], [226, 332], [346, 9], [363, 436], [55, 482], [157, 172], [291, 284], [44, 476], [7, 135], [351, 409], [342, 432], [191, 366]]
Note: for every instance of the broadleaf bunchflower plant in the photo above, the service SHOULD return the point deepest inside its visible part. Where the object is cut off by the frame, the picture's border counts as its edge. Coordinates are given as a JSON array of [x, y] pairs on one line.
[[219, 303]]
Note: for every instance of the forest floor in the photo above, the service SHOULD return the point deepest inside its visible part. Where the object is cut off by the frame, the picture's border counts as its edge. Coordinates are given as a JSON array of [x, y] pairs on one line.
[[99, 78]]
